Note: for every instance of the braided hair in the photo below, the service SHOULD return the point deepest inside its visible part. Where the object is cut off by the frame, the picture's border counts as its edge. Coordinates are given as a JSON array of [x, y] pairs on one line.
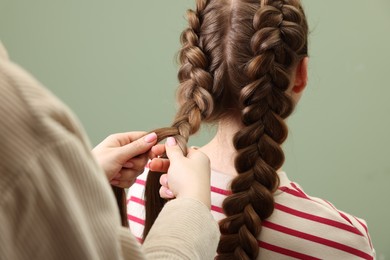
[[196, 104], [237, 59]]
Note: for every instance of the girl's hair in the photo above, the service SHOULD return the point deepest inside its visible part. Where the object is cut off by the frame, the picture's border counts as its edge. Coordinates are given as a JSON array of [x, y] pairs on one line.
[[120, 195], [237, 58]]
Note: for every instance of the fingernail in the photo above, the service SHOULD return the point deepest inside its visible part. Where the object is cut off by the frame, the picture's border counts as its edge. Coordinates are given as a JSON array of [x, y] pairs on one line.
[[114, 182], [128, 165], [169, 193], [150, 137], [171, 141]]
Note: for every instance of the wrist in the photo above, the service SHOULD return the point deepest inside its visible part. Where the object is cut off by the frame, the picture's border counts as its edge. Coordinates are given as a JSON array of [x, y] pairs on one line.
[[202, 197]]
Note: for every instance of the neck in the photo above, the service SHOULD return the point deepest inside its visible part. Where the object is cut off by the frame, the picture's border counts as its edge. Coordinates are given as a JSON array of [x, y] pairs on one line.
[[220, 149]]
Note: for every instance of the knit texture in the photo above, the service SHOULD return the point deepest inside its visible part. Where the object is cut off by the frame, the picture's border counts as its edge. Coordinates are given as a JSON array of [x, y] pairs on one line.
[[55, 200]]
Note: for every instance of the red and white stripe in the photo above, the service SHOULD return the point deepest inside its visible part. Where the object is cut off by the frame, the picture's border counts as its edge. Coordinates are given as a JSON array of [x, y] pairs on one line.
[[301, 227]]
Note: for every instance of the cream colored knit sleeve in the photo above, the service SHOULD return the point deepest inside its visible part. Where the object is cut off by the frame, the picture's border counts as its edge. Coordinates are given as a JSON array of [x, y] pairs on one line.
[[55, 201], [3, 52], [184, 229], [56, 208]]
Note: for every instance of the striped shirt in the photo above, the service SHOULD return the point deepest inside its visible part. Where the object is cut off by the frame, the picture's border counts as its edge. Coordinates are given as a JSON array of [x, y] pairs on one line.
[[301, 226]]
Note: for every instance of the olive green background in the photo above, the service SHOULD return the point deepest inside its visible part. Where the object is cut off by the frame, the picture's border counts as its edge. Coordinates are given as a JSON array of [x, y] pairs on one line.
[[113, 62]]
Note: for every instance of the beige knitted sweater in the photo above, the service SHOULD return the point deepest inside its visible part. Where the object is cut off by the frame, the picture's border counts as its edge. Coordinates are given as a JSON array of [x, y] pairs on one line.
[[56, 203]]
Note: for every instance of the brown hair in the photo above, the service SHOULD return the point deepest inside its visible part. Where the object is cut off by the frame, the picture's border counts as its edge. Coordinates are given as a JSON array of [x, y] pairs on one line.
[[120, 195], [237, 58]]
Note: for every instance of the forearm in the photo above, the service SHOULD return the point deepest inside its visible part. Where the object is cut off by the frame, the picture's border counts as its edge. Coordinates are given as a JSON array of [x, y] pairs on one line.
[[185, 229]]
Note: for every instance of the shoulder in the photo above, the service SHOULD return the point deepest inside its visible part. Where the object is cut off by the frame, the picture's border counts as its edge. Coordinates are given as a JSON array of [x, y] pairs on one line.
[[34, 124], [319, 225], [3, 52], [31, 115], [31, 99]]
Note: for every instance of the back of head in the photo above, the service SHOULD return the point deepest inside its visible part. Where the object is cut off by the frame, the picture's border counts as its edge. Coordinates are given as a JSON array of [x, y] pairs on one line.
[[237, 59]]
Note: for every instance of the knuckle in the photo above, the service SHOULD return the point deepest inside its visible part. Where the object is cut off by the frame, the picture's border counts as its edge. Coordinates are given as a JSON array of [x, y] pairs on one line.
[[113, 136]]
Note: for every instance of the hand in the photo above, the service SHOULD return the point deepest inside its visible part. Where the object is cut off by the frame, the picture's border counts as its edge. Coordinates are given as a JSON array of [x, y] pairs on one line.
[[123, 156], [157, 163], [187, 177]]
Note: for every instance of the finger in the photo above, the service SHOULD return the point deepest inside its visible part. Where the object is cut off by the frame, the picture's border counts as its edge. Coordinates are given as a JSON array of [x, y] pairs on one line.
[[164, 180], [139, 146], [128, 174], [123, 184], [165, 193], [128, 164], [172, 149], [197, 155], [126, 138], [157, 150], [159, 165], [114, 182], [138, 162], [117, 176]]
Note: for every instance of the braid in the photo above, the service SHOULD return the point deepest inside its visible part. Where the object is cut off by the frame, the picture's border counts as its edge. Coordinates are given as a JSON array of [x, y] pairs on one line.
[[195, 104], [276, 44]]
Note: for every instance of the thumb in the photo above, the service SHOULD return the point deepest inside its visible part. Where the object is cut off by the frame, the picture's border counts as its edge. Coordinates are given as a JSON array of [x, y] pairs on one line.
[[172, 149], [139, 146]]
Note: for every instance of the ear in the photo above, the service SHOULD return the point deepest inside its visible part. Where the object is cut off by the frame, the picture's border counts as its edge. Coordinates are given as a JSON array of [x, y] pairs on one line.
[[301, 76]]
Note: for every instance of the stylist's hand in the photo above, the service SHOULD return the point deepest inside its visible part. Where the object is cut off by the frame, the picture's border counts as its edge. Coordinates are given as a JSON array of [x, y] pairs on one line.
[[187, 177], [123, 156]]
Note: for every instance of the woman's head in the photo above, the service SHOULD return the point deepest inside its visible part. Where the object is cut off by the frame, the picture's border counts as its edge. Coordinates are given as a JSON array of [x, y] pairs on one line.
[[243, 59]]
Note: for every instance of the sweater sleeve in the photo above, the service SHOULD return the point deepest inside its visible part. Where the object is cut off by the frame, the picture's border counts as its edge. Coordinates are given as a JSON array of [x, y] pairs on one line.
[[184, 229], [55, 201], [56, 208]]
